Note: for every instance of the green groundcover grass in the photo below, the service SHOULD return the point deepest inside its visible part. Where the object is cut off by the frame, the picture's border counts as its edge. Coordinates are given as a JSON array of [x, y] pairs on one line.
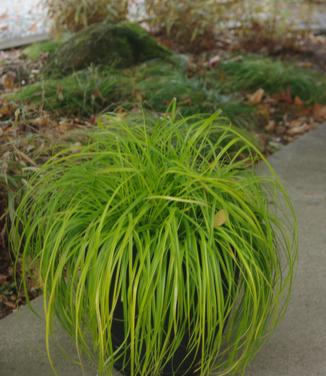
[[151, 85], [154, 84]]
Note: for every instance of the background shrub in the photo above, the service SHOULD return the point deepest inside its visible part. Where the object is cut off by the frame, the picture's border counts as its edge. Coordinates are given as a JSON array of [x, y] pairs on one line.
[[195, 23], [189, 22], [74, 15]]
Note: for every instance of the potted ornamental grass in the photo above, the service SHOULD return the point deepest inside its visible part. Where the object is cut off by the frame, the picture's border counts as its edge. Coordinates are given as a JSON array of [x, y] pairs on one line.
[[160, 249]]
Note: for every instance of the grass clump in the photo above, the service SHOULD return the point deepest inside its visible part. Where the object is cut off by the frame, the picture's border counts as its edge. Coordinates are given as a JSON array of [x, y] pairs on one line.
[[85, 93], [167, 240], [274, 76], [158, 84], [152, 86]]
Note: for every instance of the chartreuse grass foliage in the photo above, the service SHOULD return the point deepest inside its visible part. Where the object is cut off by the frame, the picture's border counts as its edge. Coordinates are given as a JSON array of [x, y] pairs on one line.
[[170, 222], [274, 76]]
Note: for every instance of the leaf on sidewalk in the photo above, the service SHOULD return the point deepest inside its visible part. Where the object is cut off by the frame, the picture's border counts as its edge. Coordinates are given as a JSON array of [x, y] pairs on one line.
[[319, 112]]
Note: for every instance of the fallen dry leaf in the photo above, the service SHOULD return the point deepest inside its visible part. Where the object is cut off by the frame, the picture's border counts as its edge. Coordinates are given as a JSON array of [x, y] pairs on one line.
[[25, 157], [256, 97], [214, 61], [298, 130], [284, 96], [264, 111], [6, 109], [295, 123], [270, 127], [298, 101], [8, 80], [10, 304], [319, 112], [41, 121], [63, 127], [220, 218]]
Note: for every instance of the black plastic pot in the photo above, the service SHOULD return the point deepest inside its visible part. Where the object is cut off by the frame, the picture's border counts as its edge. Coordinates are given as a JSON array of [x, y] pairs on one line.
[[182, 363]]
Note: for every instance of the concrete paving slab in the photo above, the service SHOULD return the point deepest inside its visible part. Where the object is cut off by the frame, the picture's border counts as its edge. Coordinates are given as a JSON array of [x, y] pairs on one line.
[[298, 347], [16, 42], [22, 347]]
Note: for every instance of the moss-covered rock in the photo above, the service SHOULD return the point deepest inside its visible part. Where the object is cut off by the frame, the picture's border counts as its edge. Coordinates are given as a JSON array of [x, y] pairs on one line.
[[117, 44]]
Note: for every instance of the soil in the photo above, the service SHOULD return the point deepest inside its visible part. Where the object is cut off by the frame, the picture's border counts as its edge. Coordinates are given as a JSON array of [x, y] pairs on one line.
[[12, 293]]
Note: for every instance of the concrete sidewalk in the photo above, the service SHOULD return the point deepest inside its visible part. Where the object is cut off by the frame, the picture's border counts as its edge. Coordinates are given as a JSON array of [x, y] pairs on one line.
[[16, 42], [298, 348]]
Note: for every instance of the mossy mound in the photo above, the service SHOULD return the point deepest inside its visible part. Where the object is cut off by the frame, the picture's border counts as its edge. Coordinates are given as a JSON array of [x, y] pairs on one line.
[[116, 44]]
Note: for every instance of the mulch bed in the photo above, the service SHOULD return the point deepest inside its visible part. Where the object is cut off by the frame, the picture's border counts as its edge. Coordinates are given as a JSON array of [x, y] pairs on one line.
[[11, 292]]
